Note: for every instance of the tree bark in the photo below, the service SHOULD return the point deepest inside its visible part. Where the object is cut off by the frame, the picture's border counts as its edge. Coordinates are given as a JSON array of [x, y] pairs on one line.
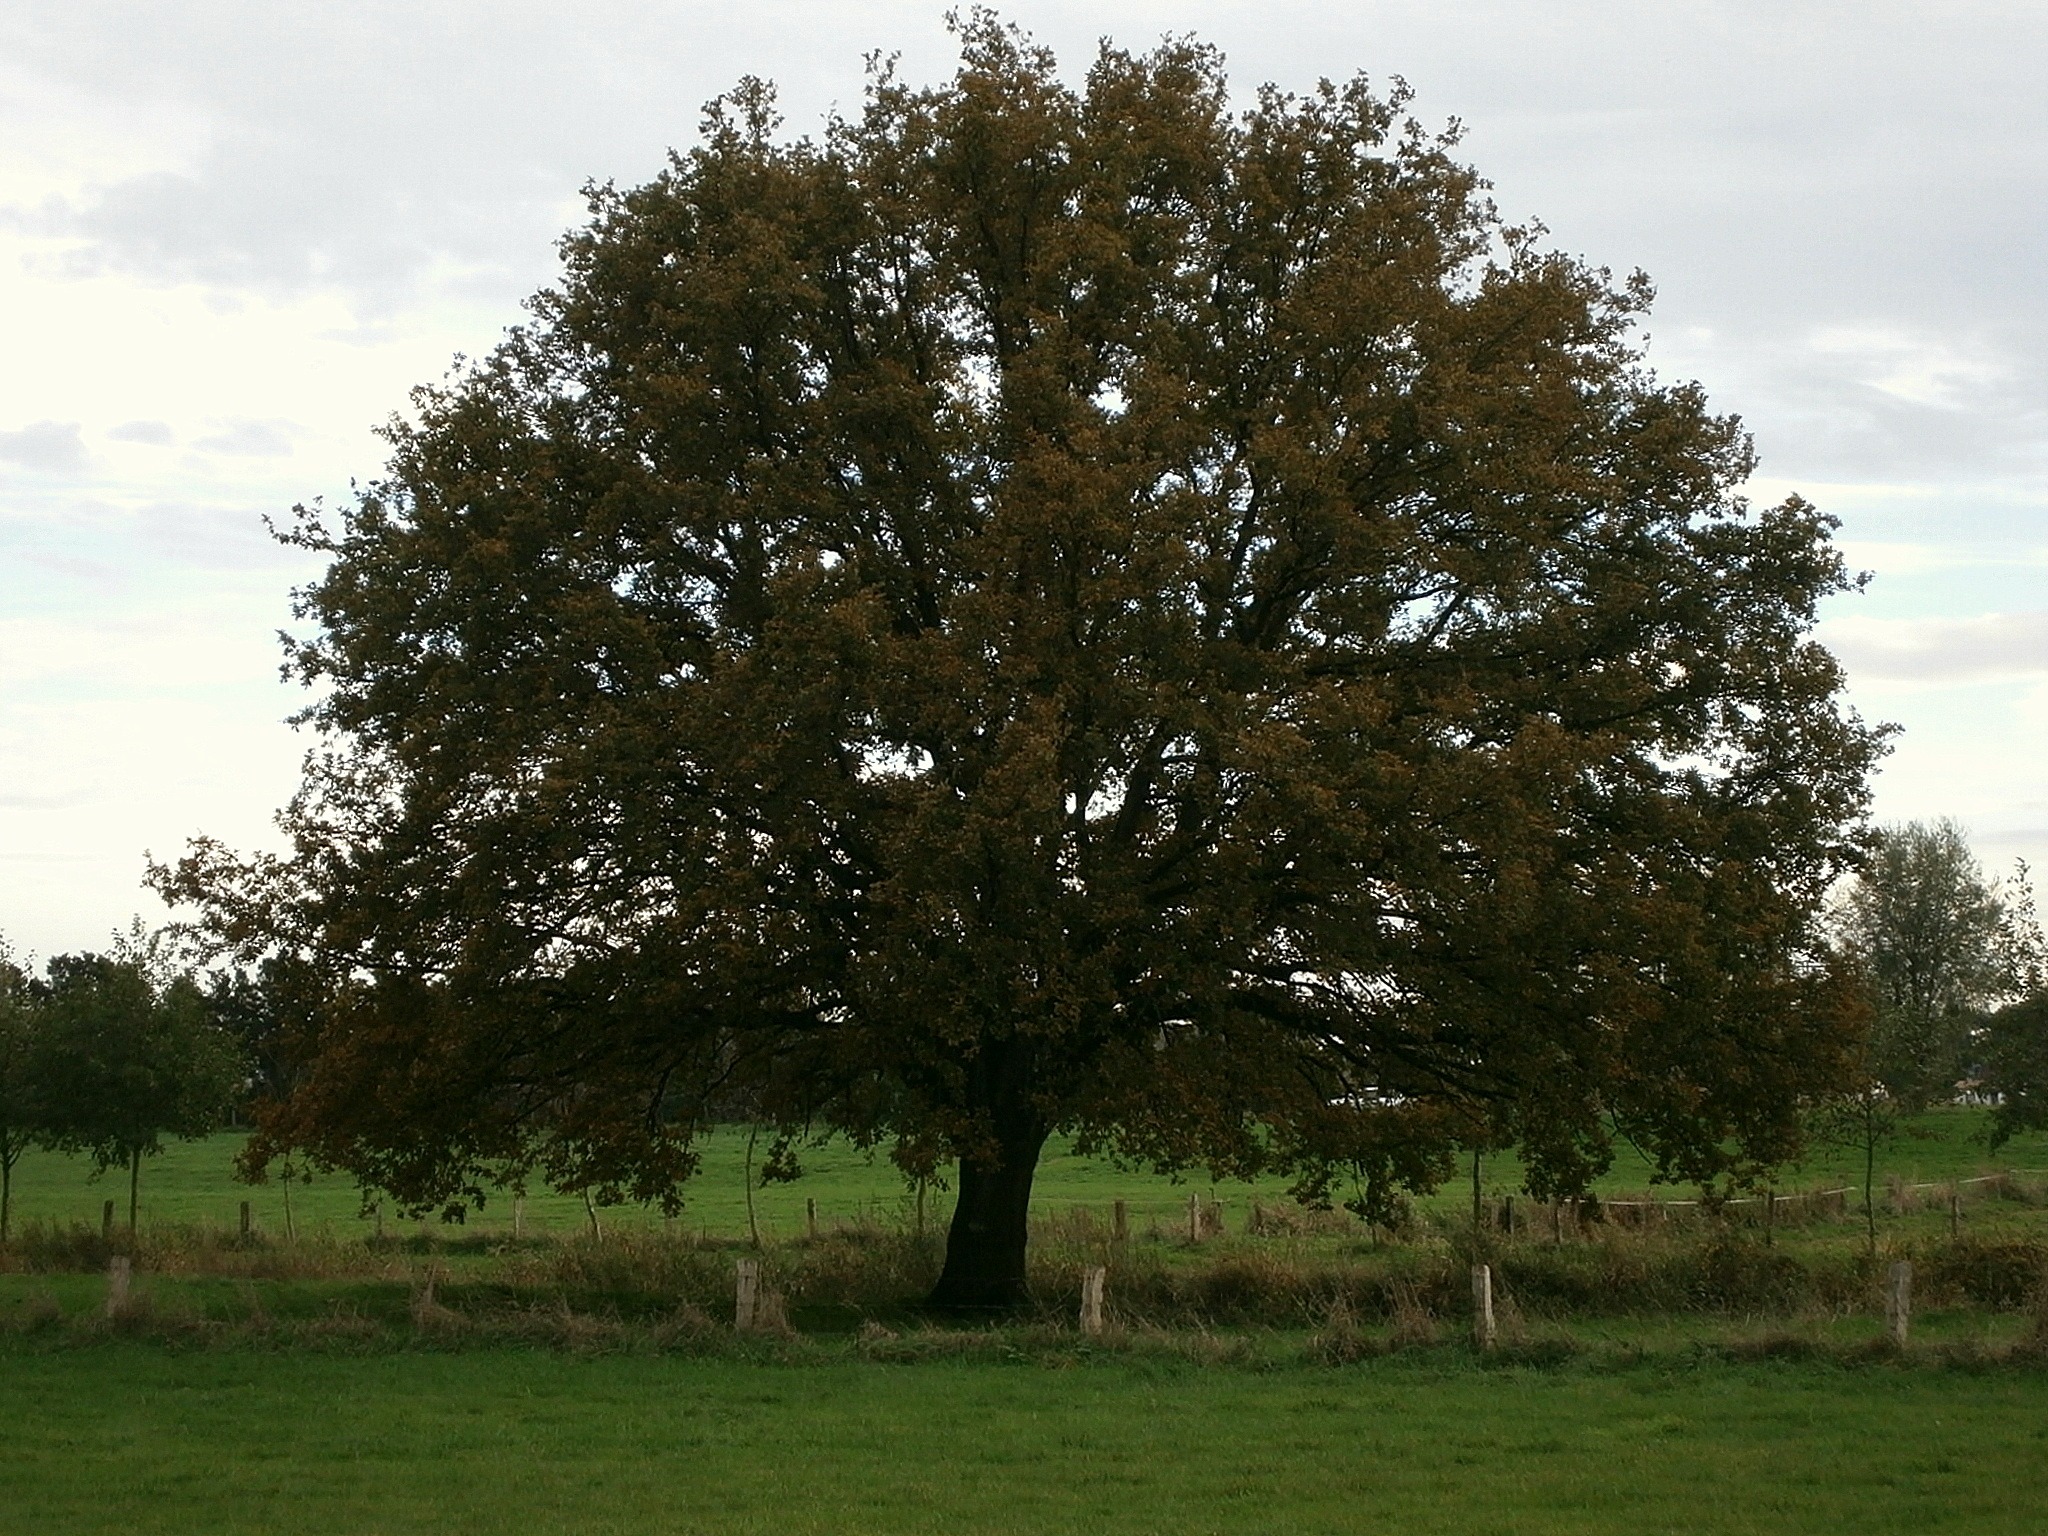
[[134, 1185], [1475, 1194], [991, 1223]]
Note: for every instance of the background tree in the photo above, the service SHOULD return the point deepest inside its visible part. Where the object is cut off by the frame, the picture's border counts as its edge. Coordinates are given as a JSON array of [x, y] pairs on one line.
[[1055, 609], [2013, 1045], [2016, 1067], [257, 1009], [21, 1110], [127, 1059], [1936, 943], [245, 1005], [1861, 1115]]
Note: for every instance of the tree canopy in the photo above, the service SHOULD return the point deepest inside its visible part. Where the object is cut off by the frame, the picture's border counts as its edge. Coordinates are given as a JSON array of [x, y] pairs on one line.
[[2015, 1048], [124, 1058], [21, 1110], [1936, 943], [1059, 607]]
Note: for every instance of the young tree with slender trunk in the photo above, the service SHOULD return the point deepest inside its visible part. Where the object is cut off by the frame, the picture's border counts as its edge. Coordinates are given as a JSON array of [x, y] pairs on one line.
[[128, 1059], [1059, 608], [21, 1104]]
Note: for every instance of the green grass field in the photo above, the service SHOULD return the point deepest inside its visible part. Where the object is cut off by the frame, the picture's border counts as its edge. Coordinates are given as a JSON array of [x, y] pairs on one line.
[[193, 1183], [133, 1438], [571, 1383]]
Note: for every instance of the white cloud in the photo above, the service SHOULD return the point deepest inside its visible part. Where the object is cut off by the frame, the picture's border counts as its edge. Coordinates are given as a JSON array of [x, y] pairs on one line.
[[1889, 557], [1944, 372], [62, 133], [1940, 650]]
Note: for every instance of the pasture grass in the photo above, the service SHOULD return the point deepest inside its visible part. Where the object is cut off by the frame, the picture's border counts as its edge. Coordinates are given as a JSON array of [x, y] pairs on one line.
[[1663, 1370], [131, 1437], [870, 1262], [193, 1184]]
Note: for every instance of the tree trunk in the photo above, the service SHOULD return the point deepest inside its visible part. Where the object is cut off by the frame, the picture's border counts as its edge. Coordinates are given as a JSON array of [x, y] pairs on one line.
[[1475, 1194], [985, 1245], [991, 1223], [6, 1188], [134, 1185], [747, 1178]]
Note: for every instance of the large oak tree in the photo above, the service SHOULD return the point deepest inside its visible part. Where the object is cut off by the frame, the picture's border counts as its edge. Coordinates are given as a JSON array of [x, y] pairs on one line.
[[1059, 608]]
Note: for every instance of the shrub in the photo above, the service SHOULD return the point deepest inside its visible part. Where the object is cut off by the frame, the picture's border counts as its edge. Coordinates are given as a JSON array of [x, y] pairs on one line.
[[2005, 1275]]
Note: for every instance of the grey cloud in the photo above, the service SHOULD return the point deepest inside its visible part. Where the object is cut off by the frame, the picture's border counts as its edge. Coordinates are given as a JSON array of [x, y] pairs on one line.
[[1901, 406], [156, 434], [88, 542], [216, 536], [252, 439], [367, 148], [1941, 650], [53, 447], [1778, 170]]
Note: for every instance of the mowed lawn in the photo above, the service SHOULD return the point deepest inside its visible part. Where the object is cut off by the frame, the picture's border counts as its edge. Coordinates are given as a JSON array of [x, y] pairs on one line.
[[136, 1438]]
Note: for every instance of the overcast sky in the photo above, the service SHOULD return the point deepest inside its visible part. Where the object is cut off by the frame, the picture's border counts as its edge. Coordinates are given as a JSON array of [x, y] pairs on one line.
[[233, 235]]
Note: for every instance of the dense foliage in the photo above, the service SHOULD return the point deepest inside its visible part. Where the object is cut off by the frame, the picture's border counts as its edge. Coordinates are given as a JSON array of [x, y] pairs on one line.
[[107, 1055], [2015, 1056], [21, 1116], [1936, 943], [1059, 608]]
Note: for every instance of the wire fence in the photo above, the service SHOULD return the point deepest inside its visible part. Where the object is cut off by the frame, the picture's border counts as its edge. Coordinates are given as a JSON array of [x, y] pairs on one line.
[[1824, 1194]]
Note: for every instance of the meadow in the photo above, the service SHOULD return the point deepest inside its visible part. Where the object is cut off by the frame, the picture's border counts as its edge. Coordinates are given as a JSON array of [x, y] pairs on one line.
[[1667, 1367], [193, 1183], [135, 1438]]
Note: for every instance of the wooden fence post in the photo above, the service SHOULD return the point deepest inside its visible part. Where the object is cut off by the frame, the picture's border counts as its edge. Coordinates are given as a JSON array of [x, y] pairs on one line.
[[1482, 1306], [1898, 1301], [1194, 1217], [1120, 1222], [1955, 1212], [811, 1215], [1091, 1300], [107, 1221], [380, 1220], [746, 1294], [518, 1214], [247, 1223], [117, 1284]]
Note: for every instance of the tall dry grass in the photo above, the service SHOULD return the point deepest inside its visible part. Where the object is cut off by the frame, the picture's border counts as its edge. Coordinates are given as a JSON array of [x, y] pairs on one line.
[[1315, 1273]]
